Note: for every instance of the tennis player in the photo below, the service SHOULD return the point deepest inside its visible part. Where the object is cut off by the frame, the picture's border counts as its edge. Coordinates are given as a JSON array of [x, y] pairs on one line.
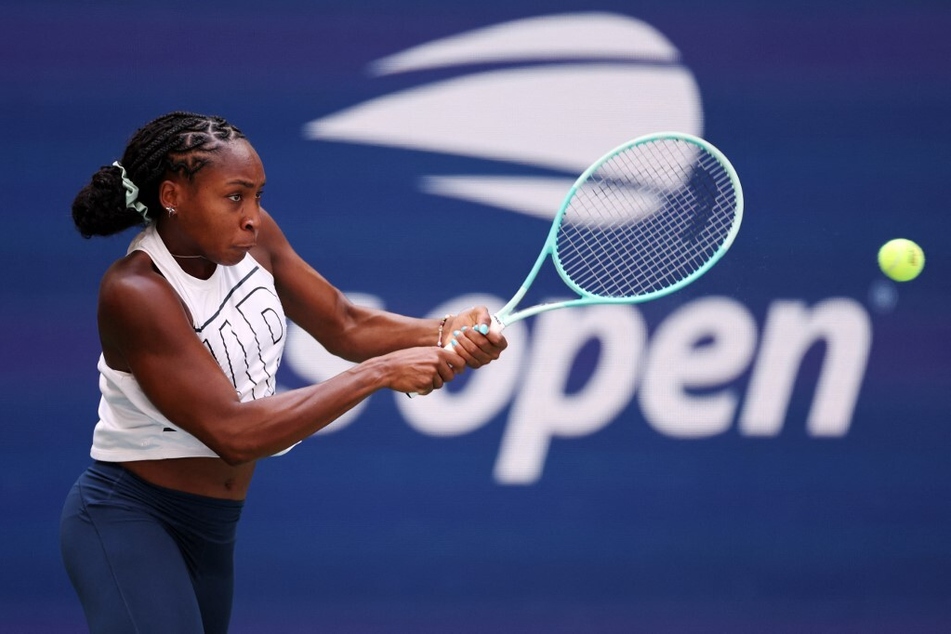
[[192, 326]]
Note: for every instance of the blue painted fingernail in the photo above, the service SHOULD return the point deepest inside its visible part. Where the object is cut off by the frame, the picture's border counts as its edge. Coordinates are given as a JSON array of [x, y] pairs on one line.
[[454, 343], [457, 332], [483, 329], [465, 328]]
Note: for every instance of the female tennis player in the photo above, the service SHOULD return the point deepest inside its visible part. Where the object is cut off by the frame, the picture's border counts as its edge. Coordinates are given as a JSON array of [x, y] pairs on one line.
[[192, 326]]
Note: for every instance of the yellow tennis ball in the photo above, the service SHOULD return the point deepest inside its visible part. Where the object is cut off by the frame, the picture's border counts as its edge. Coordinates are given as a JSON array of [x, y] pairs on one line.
[[901, 259]]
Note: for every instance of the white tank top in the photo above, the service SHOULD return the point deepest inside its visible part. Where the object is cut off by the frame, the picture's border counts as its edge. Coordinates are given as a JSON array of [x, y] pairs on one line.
[[238, 317]]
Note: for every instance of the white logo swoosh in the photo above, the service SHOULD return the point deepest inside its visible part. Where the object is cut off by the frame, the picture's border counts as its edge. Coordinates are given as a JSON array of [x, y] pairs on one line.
[[567, 36], [560, 116]]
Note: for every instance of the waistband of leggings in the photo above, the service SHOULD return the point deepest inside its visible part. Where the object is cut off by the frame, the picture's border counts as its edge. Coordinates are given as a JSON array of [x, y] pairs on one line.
[[117, 473]]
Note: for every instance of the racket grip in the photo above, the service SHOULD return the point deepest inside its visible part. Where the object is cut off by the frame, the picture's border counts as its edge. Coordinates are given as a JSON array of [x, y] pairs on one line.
[[495, 325]]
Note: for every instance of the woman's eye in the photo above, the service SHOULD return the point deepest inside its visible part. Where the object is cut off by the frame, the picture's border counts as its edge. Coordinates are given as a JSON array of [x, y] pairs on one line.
[[235, 197]]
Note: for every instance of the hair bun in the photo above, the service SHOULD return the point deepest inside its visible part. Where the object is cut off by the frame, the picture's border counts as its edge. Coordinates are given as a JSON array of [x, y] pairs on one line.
[[99, 208]]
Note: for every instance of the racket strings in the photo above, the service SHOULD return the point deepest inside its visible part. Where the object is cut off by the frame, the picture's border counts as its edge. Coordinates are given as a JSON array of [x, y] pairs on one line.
[[646, 219]]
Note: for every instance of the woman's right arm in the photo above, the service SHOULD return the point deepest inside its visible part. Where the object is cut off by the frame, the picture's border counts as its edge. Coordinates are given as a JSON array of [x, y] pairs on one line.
[[145, 330]]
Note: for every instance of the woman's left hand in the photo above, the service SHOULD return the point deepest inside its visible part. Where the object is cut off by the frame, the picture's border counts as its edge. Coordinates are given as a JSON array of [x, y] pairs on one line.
[[470, 337]]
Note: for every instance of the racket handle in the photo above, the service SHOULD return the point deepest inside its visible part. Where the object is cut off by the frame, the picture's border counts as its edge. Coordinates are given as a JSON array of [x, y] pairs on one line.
[[495, 325]]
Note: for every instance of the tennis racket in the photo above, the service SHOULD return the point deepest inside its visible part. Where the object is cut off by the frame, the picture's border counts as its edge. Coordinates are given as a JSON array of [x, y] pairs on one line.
[[648, 218]]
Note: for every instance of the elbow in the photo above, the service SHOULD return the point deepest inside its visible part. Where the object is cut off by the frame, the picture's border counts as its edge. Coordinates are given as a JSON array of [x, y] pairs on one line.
[[242, 433], [235, 458], [234, 450]]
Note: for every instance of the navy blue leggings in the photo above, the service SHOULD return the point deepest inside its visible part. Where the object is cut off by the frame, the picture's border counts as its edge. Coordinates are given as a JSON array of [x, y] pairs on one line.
[[145, 558]]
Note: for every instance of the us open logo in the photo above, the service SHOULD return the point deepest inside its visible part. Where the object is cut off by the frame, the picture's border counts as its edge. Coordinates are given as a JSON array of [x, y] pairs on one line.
[[562, 90], [588, 81]]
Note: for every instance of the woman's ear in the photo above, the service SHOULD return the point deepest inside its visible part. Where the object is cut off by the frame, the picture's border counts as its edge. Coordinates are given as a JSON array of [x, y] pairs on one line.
[[169, 194]]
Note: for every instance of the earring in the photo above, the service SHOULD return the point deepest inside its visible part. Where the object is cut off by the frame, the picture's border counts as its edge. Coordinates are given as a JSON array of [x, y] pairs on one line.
[[171, 211]]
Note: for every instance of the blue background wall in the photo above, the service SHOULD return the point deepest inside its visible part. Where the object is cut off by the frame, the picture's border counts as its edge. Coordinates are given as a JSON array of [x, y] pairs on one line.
[[835, 114]]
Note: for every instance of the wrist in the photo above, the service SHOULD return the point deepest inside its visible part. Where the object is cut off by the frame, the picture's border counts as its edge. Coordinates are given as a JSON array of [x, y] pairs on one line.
[[442, 329]]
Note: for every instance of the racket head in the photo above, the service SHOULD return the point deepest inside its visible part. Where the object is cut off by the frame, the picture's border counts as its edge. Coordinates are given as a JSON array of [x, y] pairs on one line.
[[647, 219]]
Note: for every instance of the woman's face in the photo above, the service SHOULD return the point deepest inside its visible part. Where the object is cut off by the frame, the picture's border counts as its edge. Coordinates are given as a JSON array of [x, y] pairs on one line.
[[218, 212]]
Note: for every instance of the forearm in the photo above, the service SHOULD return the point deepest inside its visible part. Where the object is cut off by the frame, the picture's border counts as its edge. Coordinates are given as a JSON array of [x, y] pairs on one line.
[[347, 330], [370, 333], [263, 427], [241, 432]]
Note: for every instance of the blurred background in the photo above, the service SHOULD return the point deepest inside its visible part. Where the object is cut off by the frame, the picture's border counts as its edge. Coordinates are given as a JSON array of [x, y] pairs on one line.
[[765, 451]]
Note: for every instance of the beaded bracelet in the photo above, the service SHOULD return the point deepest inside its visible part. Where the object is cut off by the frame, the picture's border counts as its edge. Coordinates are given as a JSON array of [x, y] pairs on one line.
[[442, 324]]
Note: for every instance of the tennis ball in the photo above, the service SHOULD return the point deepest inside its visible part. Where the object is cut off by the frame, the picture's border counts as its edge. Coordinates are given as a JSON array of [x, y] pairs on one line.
[[901, 259]]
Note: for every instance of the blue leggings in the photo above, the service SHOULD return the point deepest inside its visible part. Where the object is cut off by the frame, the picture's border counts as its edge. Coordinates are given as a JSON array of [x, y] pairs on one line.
[[145, 558]]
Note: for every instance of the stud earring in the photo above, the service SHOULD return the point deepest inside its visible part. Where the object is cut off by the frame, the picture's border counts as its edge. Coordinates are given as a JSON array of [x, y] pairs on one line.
[[171, 211]]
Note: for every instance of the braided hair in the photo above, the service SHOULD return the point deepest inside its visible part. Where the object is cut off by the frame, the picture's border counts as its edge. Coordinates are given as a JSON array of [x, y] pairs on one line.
[[178, 142]]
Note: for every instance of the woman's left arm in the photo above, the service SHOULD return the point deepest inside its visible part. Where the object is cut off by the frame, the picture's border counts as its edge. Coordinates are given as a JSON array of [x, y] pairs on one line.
[[358, 333]]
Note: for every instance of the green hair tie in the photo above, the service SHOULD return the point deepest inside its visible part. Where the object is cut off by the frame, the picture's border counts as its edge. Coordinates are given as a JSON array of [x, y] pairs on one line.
[[132, 194]]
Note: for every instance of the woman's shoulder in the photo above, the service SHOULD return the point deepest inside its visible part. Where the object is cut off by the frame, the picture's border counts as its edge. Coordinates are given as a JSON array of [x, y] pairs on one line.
[[133, 280], [132, 266], [138, 309]]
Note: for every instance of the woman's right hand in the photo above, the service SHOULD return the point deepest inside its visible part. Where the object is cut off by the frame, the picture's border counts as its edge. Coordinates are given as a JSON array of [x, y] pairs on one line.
[[422, 370]]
